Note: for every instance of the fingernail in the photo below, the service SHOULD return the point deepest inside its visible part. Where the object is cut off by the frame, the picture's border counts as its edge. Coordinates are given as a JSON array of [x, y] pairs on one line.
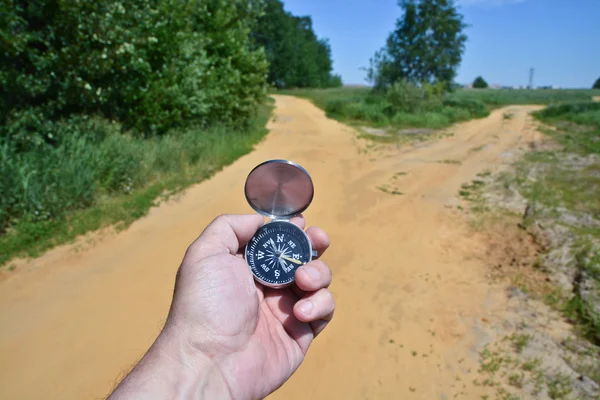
[[312, 272], [306, 307]]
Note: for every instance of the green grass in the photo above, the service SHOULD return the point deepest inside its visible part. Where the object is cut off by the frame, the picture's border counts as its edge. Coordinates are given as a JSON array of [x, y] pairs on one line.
[[563, 183], [505, 97], [51, 196], [559, 386], [516, 380], [569, 178], [453, 162], [519, 341], [388, 190], [577, 126], [531, 364], [360, 106]]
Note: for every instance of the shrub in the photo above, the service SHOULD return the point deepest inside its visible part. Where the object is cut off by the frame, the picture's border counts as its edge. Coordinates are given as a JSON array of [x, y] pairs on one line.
[[336, 107], [456, 114], [94, 159], [407, 97], [568, 109], [151, 64], [479, 83], [475, 107]]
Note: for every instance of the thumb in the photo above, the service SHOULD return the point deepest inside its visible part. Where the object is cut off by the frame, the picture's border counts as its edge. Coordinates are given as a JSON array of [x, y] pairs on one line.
[[225, 234]]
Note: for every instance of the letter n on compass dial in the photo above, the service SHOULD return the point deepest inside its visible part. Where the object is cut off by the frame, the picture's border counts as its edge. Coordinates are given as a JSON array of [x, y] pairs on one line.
[[276, 251]]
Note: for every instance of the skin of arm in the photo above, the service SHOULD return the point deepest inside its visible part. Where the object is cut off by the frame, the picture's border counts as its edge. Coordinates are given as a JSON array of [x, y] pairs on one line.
[[226, 336]]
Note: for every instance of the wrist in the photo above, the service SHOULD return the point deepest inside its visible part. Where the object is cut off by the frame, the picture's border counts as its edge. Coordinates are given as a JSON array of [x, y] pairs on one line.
[[176, 371], [194, 374]]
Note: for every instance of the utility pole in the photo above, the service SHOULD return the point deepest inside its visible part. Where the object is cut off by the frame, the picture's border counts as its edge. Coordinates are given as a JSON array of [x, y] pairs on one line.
[[530, 86]]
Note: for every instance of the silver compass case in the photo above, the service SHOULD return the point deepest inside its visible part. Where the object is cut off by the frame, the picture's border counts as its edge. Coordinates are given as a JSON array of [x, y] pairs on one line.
[[280, 190]]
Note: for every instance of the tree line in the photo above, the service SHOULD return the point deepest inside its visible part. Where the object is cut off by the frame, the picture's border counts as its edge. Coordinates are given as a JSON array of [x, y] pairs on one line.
[[119, 101], [297, 57]]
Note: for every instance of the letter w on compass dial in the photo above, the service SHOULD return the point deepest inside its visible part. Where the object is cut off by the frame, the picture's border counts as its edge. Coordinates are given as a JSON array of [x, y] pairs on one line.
[[276, 251]]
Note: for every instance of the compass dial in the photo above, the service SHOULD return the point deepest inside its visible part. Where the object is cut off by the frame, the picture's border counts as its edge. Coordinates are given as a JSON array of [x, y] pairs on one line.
[[275, 251]]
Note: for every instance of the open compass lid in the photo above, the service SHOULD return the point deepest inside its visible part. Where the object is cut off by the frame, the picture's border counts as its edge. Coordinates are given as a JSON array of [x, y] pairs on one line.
[[279, 189]]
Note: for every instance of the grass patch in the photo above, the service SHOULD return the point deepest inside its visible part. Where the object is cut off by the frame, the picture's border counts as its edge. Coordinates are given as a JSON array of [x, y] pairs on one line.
[[505, 97], [577, 126], [562, 187], [490, 361], [123, 177], [519, 341], [397, 139], [586, 320], [452, 162], [473, 193], [362, 106], [559, 386], [516, 380], [531, 365], [386, 189]]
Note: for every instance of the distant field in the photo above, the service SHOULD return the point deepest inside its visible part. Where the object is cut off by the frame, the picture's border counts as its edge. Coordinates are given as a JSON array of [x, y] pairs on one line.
[[360, 106], [489, 96], [501, 97]]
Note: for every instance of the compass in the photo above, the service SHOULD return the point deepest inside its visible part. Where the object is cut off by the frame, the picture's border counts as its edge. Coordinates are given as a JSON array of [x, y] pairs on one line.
[[280, 190]]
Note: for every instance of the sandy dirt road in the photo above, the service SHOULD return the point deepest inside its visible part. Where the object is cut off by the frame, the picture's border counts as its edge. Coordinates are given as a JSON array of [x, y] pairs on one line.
[[413, 300]]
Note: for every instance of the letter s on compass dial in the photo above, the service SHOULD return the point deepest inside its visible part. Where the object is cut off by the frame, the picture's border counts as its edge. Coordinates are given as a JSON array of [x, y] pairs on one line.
[[275, 252]]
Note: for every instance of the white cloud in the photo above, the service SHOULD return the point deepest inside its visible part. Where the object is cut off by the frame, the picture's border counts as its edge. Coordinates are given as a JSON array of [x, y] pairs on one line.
[[486, 3]]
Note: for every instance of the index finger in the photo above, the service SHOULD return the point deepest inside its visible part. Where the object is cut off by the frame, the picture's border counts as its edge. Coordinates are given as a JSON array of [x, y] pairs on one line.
[[317, 236], [225, 234]]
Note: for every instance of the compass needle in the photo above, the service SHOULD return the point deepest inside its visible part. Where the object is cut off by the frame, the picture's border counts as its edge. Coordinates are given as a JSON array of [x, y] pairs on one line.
[[273, 245], [292, 260]]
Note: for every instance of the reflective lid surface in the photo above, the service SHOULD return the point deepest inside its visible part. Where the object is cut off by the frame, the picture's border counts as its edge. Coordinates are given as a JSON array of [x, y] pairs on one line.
[[279, 189]]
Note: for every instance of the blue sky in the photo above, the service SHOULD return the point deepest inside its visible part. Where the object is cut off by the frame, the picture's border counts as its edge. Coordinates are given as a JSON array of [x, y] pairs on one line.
[[559, 38]]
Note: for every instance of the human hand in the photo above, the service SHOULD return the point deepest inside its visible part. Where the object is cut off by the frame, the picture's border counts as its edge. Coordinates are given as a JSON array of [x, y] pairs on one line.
[[229, 336]]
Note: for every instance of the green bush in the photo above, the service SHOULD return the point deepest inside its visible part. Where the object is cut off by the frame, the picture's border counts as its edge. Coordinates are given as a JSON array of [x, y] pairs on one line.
[[569, 109], [475, 107], [336, 107], [99, 177], [479, 83], [44, 183], [402, 105], [150, 64], [94, 159], [584, 140], [457, 114], [119, 165], [403, 96], [407, 97]]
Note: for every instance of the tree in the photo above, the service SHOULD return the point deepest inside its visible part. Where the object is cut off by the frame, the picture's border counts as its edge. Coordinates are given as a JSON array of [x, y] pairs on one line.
[[427, 45], [296, 56], [148, 64], [596, 84], [480, 83]]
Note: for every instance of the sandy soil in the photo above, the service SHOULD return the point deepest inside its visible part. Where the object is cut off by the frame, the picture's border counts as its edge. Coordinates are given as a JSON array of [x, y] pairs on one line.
[[413, 299]]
